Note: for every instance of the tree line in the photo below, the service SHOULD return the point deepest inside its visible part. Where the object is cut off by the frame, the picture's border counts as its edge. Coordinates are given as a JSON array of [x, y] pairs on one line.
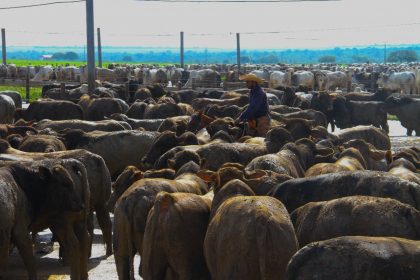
[[206, 56]]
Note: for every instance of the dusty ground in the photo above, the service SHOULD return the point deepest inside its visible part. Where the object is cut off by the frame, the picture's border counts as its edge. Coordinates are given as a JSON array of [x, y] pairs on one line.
[[101, 268]]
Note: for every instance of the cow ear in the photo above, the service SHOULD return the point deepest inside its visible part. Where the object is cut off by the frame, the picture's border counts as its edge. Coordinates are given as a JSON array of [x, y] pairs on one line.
[[255, 174], [44, 173], [138, 175], [376, 155], [206, 175], [171, 163], [388, 157]]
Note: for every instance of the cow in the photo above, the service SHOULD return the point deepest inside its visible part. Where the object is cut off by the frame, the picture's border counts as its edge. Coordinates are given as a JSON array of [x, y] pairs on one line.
[[43, 194], [375, 159], [203, 78], [352, 257], [152, 76], [86, 126], [330, 80], [98, 177], [148, 124], [99, 108], [115, 147], [68, 73], [243, 224], [44, 74], [404, 169], [401, 82], [367, 113], [303, 79], [202, 103], [7, 109], [17, 99], [348, 160], [41, 144], [297, 192], [174, 237], [51, 109], [216, 153], [279, 78], [355, 215], [293, 158], [104, 74], [373, 135], [130, 215], [407, 111]]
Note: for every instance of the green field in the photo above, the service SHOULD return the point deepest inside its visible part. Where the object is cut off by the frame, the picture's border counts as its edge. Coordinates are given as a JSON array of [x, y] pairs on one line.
[[19, 62], [35, 92]]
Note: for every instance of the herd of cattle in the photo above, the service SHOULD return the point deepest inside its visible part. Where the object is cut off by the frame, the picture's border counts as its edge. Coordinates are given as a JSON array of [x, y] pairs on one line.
[[403, 78], [197, 197]]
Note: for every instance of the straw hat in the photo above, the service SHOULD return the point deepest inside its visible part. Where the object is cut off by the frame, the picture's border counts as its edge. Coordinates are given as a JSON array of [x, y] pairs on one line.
[[251, 77]]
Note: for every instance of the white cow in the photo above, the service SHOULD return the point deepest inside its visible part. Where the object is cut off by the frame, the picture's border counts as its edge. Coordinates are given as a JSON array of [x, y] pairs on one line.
[[152, 76], [68, 73], [303, 79], [404, 82], [44, 73], [326, 80], [263, 74], [203, 78], [11, 71], [7, 109], [106, 75], [279, 78]]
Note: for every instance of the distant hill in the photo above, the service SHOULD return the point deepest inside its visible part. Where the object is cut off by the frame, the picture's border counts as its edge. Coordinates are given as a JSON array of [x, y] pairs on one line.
[[343, 55]]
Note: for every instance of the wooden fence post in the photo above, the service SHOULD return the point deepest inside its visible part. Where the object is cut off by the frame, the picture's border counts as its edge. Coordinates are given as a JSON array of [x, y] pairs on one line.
[[27, 86], [3, 45]]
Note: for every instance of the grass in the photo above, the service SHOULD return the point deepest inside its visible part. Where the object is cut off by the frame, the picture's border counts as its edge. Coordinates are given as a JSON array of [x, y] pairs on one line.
[[35, 92], [20, 62], [392, 118]]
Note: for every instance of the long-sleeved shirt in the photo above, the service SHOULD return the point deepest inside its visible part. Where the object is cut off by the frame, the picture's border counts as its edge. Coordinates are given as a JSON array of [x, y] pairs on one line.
[[258, 105]]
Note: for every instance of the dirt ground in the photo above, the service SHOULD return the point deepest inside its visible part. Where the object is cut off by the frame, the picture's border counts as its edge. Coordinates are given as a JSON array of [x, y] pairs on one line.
[[100, 267]]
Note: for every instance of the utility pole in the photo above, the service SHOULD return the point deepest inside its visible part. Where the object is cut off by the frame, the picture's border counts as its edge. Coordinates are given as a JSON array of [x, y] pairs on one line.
[[182, 49], [98, 31], [238, 52], [90, 45], [385, 54], [3, 45]]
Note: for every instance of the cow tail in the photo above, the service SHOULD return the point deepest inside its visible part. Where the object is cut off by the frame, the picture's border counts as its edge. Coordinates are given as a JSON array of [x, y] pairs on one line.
[[261, 233]]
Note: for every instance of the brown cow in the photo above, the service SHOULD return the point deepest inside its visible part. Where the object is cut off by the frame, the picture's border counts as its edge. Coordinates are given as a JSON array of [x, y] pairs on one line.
[[131, 212], [357, 257], [355, 215], [174, 237], [41, 194], [349, 160], [245, 224], [297, 192]]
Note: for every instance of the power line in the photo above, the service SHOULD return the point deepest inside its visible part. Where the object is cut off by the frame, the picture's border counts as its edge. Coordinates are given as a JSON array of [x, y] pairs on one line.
[[235, 1], [41, 4]]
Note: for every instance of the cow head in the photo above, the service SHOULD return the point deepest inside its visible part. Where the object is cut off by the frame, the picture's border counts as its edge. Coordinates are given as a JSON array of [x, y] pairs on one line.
[[60, 192]]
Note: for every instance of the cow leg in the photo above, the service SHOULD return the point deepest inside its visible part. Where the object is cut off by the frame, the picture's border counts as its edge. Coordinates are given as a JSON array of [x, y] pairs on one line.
[[84, 240], [106, 226], [417, 132], [90, 228], [384, 126], [4, 251], [410, 132], [68, 239], [123, 261], [23, 242], [331, 122]]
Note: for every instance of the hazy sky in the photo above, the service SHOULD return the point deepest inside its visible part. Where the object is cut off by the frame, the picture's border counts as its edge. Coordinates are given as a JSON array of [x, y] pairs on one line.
[[301, 24]]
